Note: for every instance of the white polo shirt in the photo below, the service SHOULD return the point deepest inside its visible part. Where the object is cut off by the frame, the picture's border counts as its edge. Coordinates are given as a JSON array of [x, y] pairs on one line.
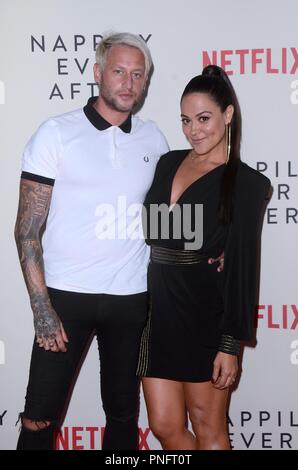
[[101, 173]]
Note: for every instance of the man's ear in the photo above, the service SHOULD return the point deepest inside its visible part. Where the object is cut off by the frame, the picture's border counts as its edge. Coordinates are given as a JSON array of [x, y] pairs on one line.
[[145, 83], [97, 73]]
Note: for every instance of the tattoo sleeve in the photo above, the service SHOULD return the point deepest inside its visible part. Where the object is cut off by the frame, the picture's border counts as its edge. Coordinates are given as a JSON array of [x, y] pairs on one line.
[[33, 209]]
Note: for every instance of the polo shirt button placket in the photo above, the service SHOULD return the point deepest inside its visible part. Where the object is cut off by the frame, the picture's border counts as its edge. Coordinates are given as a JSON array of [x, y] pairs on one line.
[[114, 154]]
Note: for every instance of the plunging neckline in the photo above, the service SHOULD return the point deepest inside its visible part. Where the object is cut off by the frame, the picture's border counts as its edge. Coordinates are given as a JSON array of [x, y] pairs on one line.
[[172, 205]]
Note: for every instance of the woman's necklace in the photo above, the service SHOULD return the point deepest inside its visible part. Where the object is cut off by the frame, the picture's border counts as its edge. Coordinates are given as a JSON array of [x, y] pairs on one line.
[[195, 157]]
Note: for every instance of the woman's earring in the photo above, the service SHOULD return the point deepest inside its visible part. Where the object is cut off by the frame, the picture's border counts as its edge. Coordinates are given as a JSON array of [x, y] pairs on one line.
[[228, 141]]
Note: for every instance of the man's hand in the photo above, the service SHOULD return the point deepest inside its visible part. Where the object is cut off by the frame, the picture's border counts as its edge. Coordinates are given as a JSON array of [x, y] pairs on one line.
[[220, 260], [49, 330]]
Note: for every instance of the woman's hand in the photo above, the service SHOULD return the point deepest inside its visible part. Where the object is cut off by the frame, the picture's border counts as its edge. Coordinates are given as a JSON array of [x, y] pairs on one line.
[[220, 260], [225, 368]]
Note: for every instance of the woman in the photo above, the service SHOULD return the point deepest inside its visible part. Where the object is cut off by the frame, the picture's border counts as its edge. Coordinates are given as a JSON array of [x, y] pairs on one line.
[[190, 346]]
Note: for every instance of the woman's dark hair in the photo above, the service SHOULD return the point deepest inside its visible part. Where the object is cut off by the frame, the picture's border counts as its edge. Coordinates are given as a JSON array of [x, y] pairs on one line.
[[215, 82]]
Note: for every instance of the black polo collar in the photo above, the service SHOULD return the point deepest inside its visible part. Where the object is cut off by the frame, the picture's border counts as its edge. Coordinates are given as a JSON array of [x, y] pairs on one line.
[[99, 122]]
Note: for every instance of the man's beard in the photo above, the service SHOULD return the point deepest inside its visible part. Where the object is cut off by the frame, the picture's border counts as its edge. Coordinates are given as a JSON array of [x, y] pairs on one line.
[[112, 103]]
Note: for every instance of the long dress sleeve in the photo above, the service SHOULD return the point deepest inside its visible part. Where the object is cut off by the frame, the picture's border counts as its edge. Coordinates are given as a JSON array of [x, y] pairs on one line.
[[241, 269]]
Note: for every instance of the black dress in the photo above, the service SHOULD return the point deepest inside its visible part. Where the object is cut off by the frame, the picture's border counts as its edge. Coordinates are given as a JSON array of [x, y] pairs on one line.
[[192, 305]]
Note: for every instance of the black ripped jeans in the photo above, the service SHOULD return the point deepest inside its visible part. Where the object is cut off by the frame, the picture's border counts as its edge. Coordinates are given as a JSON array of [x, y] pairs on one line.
[[118, 322]]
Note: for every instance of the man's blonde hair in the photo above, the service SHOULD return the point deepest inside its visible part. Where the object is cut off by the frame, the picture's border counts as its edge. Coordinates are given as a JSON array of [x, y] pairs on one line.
[[127, 39]]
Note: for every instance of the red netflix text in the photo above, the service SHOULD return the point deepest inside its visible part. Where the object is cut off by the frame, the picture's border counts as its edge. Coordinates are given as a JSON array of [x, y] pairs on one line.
[[284, 317], [90, 438], [245, 61]]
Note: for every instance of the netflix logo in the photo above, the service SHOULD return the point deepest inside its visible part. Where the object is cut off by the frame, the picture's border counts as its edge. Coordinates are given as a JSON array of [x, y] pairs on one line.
[[284, 317], [90, 438], [251, 61]]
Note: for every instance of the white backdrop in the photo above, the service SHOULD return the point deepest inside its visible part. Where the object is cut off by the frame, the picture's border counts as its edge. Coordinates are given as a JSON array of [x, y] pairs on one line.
[[46, 58]]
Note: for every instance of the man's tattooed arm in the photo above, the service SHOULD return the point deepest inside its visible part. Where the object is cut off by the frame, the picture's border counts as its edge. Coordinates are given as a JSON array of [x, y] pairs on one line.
[[33, 209]]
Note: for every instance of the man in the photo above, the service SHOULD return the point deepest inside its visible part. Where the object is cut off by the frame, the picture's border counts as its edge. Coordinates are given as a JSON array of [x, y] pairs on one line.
[[89, 274]]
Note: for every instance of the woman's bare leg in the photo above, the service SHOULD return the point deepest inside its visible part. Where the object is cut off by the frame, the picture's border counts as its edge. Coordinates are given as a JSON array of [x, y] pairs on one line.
[[167, 415], [207, 407]]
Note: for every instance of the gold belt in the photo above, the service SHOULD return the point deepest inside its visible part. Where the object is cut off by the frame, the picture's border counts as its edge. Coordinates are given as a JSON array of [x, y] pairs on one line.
[[163, 255]]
